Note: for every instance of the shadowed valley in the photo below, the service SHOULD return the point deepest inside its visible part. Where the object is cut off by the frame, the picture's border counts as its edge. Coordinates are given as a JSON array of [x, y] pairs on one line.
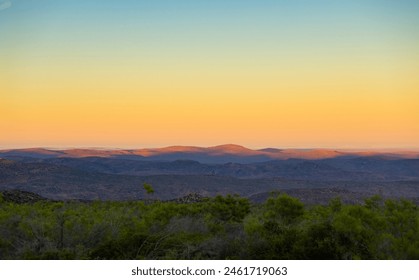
[[312, 175]]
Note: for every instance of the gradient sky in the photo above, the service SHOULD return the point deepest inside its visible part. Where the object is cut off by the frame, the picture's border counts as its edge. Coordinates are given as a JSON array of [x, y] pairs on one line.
[[277, 73]]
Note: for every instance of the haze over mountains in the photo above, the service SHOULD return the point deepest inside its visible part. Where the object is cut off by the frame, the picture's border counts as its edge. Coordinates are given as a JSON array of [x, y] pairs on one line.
[[216, 154], [311, 174]]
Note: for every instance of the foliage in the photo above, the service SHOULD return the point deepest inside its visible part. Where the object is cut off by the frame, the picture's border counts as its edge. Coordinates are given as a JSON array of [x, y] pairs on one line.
[[227, 227], [148, 188]]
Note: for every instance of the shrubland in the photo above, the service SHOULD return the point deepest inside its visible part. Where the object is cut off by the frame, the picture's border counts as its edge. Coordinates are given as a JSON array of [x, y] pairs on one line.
[[228, 227]]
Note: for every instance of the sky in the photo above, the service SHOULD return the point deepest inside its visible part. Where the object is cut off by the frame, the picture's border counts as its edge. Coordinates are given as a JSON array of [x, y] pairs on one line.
[[259, 73]]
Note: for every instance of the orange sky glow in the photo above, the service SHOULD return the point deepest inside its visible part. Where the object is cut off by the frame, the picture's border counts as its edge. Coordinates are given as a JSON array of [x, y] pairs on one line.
[[84, 80]]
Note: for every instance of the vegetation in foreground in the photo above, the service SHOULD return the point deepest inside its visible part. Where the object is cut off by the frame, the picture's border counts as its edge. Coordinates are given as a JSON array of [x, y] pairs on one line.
[[218, 228]]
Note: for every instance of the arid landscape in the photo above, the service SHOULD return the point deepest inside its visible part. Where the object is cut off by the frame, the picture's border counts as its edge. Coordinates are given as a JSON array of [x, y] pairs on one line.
[[93, 204], [209, 129], [312, 175]]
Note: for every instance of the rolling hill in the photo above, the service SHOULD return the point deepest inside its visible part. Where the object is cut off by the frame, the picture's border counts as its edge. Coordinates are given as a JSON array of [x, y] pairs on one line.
[[218, 154], [175, 172]]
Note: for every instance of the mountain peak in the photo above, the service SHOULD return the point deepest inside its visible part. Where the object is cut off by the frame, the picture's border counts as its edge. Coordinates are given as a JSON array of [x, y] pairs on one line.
[[230, 148]]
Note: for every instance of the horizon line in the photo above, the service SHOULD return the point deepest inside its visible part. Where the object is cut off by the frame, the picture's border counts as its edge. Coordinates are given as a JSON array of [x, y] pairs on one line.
[[86, 147]]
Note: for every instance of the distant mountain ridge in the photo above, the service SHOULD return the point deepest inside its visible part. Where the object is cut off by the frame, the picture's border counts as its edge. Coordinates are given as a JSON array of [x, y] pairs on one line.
[[217, 154], [119, 178], [176, 171]]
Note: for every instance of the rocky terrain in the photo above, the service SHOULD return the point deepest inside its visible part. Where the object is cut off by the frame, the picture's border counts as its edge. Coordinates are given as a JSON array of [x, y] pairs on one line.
[[111, 175], [18, 196]]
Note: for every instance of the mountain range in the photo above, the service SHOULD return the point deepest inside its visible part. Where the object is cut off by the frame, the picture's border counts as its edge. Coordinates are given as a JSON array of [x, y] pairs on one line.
[[176, 171], [216, 154]]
